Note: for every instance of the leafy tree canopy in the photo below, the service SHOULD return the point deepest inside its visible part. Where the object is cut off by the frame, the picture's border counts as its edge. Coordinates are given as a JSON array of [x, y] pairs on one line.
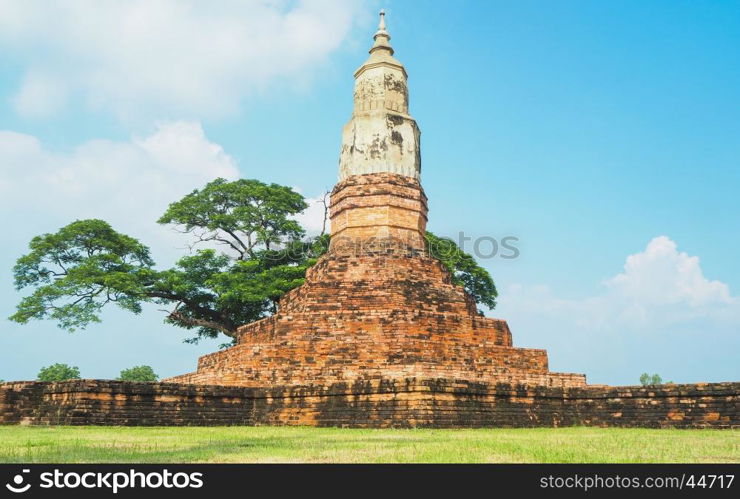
[[465, 270], [58, 372], [77, 271], [243, 215], [138, 373], [86, 265]]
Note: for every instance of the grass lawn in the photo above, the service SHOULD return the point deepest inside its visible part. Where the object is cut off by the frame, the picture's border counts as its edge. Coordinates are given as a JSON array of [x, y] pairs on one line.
[[335, 445]]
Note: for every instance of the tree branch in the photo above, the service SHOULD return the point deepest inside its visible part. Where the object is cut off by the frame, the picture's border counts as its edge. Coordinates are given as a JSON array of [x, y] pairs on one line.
[[176, 316], [238, 240], [215, 321], [326, 212]]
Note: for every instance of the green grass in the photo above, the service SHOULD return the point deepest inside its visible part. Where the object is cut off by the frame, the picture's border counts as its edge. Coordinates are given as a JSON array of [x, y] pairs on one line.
[[334, 445]]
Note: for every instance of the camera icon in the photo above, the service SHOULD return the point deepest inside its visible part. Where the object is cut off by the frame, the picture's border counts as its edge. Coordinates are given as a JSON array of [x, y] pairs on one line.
[[17, 486]]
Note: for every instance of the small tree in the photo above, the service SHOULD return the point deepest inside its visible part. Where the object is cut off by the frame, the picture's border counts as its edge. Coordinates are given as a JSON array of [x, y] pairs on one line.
[[650, 379], [138, 373], [58, 372]]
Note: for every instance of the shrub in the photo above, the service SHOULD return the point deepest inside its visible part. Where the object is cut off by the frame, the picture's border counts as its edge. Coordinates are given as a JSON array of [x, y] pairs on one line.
[[58, 372], [650, 379], [138, 373]]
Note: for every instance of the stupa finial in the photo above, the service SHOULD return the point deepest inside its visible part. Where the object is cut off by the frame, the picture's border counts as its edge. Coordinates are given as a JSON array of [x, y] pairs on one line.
[[382, 37], [381, 24]]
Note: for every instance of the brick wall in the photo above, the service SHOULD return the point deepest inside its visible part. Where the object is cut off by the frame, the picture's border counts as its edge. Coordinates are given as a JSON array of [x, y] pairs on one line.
[[378, 206], [435, 403]]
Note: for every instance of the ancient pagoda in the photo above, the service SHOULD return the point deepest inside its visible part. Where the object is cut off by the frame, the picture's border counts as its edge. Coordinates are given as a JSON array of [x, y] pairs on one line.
[[378, 335], [377, 305]]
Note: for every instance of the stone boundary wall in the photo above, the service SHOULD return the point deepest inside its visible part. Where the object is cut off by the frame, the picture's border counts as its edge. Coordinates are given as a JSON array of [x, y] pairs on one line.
[[437, 403]]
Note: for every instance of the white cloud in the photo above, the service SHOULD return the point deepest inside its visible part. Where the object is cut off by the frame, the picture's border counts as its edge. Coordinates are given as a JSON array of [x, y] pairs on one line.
[[177, 57], [661, 275], [127, 183], [39, 95], [658, 287], [659, 314]]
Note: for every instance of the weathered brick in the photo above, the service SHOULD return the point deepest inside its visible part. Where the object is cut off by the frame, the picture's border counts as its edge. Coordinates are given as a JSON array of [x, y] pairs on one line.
[[376, 307], [380, 403]]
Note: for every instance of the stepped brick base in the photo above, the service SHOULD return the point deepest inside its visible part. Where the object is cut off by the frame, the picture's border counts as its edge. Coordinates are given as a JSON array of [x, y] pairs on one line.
[[370, 317], [407, 403], [376, 306]]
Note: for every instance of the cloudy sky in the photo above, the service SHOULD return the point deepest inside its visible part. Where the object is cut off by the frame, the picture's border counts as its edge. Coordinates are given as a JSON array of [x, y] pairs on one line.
[[605, 136]]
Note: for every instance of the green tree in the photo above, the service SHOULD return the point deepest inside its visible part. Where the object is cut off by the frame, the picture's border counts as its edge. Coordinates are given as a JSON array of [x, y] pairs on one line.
[[138, 373], [74, 273], [244, 215], [77, 271], [465, 270], [58, 372], [86, 265]]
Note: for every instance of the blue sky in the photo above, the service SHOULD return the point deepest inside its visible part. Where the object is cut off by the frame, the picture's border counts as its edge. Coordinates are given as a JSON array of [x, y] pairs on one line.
[[604, 135]]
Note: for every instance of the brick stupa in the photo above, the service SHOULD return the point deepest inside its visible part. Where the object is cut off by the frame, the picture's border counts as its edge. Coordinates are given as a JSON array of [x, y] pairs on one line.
[[376, 305]]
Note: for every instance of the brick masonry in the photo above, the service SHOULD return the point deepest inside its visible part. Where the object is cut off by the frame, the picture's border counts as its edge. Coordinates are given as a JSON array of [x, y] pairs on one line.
[[437, 403], [376, 306], [378, 207]]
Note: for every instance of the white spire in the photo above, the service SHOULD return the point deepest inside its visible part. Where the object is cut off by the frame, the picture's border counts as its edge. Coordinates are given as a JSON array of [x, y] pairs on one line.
[[381, 136], [381, 25], [382, 37]]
